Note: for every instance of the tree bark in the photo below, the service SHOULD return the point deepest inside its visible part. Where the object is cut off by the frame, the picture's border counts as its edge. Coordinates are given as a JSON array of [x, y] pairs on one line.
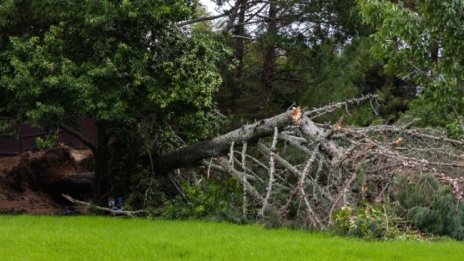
[[269, 52], [101, 184], [239, 52], [192, 155]]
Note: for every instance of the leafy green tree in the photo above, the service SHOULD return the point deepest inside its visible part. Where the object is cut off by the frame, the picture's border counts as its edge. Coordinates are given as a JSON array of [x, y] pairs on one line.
[[421, 42], [125, 64]]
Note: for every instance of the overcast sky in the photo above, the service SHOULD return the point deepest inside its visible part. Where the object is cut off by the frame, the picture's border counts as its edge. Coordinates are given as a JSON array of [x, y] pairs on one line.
[[209, 6]]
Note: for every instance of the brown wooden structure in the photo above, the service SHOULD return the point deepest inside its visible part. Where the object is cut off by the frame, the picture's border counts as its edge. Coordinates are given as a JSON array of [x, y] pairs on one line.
[[10, 146]]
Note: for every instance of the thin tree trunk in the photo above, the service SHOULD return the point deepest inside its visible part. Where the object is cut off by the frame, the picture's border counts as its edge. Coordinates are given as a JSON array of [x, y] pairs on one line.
[[269, 58], [236, 87]]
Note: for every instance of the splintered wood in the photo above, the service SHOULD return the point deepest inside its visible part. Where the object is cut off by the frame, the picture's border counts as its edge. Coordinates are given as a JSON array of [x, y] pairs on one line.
[[296, 114]]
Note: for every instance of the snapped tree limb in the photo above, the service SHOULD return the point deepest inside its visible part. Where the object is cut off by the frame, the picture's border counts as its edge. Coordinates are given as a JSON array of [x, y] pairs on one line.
[[192, 155]]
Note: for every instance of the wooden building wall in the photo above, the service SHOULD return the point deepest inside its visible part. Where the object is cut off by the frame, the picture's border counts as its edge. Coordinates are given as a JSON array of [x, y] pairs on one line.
[[10, 146]]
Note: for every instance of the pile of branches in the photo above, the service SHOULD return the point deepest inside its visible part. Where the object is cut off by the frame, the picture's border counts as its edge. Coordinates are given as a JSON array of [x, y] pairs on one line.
[[304, 170]]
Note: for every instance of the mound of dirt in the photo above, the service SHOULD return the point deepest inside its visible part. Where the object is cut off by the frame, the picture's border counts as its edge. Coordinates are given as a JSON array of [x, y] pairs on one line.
[[33, 182]]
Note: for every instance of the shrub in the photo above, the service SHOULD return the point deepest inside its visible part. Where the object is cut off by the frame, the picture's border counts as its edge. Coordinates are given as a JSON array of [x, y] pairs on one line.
[[368, 221], [210, 199]]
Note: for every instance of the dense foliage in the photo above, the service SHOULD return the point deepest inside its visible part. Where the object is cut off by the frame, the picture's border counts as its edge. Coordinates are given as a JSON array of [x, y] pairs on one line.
[[114, 62], [369, 222], [124, 64], [292, 52], [207, 200], [415, 203], [421, 42], [430, 206]]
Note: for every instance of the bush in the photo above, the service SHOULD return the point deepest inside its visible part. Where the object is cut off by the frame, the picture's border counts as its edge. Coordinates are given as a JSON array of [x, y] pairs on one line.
[[368, 221], [210, 199]]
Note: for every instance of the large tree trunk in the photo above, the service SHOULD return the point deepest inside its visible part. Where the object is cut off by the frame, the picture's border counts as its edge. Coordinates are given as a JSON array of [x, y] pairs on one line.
[[193, 155], [102, 178]]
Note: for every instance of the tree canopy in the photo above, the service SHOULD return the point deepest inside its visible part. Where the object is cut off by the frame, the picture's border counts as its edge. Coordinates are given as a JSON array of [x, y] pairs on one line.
[[115, 62], [121, 63], [421, 42]]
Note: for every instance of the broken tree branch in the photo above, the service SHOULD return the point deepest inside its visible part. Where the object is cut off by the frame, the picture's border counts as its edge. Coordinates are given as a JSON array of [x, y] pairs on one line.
[[301, 184], [271, 172], [112, 211], [202, 19], [244, 181], [80, 137]]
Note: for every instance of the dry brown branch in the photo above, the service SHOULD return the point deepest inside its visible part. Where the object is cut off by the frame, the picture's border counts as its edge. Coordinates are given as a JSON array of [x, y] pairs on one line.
[[418, 133], [342, 194]]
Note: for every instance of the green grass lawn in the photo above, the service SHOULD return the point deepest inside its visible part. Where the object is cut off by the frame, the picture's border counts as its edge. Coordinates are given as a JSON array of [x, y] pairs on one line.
[[104, 238]]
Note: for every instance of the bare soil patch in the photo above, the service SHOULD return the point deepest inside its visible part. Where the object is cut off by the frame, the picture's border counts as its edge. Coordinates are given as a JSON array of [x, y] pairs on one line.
[[32, 183]]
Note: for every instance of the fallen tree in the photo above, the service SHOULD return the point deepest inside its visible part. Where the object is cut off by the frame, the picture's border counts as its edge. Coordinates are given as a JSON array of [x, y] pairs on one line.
[[342, 165], [250, 133], [329, 166]]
